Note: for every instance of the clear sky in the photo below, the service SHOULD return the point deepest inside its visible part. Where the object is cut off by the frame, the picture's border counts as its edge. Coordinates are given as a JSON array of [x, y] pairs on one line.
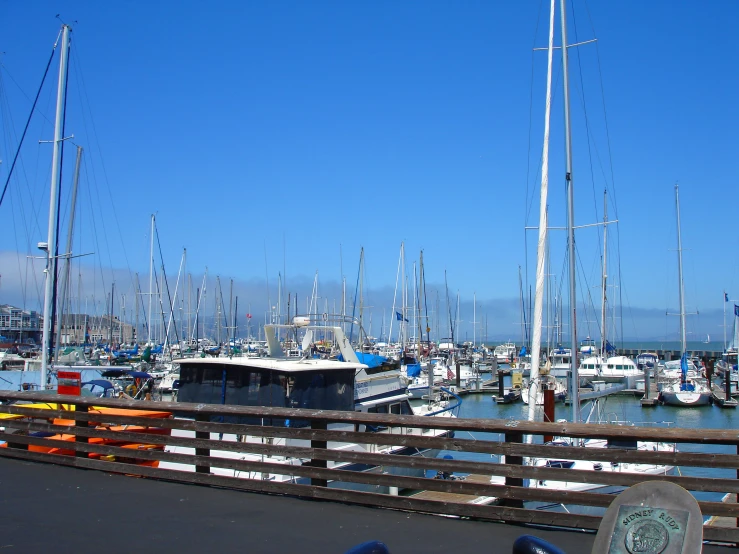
[[294, 131]]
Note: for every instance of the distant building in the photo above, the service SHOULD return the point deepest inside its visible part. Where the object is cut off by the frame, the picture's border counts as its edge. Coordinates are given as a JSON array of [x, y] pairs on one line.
[[18, 325], [82, 328]]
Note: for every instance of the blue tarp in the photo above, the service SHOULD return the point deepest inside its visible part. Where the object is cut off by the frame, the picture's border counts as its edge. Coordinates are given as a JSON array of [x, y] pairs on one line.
[[413, 370], [371, 360]]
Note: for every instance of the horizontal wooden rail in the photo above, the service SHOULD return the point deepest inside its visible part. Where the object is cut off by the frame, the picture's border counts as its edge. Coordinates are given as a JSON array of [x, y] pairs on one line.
[[575, 430], [390, 460], [619, 455]]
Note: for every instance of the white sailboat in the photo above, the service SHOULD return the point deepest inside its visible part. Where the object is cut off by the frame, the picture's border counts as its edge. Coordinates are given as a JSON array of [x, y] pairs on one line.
[[687, 391], [535, 380]]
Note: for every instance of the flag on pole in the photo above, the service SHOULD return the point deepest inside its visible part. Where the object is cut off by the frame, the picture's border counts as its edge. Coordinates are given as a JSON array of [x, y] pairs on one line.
[[726, 297], [400, 317], [450, 374], [736, 310]]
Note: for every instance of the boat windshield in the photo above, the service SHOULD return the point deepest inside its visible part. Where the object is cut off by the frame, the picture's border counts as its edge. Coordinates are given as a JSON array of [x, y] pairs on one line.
[[252, 386]]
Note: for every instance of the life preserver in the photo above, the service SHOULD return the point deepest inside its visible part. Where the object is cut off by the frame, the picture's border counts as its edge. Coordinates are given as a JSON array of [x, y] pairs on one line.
[[131, 390]]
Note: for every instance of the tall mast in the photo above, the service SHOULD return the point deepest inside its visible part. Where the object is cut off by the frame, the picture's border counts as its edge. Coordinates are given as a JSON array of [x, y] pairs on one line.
[[474, 319], [575, 382], [151, 275], [683, 338], [53, 201], [541, 246], [67, 255], [604, 296]]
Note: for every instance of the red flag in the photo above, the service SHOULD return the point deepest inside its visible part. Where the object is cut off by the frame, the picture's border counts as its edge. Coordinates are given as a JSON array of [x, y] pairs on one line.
[[450, 374]]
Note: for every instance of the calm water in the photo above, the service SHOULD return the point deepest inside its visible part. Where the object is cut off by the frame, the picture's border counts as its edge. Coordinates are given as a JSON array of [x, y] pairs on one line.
[[622, 408]]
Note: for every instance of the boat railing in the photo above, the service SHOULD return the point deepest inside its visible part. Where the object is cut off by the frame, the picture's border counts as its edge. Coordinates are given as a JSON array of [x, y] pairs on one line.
[[121, 436]]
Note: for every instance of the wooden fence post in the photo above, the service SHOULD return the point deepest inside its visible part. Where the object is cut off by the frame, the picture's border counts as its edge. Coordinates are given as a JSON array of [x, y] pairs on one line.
[[202, 451], [321, 426], [78, 438], [513, 438]]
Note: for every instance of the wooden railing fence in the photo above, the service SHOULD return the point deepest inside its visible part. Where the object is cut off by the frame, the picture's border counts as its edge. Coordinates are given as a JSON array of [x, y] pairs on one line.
[[124, 442]]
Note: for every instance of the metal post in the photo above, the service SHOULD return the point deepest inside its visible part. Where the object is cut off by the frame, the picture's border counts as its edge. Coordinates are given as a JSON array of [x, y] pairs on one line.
[[548, 409], [574, 383], [647, 383], [458, 377]]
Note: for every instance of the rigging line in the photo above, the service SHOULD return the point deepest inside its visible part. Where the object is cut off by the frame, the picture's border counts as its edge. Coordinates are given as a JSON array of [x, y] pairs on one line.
[[81, 79], [166, 284], [28, 122], [88, 161], [605, 113], [587, 124], [23, 92], [586, 286], [95, 233]]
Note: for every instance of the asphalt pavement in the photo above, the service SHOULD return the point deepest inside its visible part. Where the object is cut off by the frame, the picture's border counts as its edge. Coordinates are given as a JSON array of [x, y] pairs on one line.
[[48, 508]]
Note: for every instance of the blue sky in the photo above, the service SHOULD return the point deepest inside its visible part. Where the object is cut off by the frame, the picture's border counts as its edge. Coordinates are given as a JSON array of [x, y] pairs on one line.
[[308, 128]]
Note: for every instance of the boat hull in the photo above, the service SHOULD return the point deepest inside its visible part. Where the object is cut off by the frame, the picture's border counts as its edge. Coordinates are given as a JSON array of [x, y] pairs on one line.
[[686, 398]]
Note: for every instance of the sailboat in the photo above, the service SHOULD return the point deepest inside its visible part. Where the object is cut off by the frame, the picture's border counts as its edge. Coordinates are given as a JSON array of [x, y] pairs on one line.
[[688, 391], [535, 379]]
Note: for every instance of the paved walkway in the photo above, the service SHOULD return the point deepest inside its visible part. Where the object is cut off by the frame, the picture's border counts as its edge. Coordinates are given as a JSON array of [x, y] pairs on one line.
[[52, 508]]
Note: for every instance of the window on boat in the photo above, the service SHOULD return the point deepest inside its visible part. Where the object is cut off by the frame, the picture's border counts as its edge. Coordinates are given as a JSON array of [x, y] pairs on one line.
[[251, 386], [610, 366], [562, 464], [395, 408], [619, 367], [615, 443]]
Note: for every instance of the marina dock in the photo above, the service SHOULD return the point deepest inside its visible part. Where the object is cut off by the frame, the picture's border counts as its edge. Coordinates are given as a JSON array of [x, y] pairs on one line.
[[719, 397], [454, 497]]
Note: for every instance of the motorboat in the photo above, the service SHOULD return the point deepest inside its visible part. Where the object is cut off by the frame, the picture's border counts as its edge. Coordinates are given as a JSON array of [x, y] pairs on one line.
[[561, 360], [309, 383], [505, 353], [617, 368], [647, 360]]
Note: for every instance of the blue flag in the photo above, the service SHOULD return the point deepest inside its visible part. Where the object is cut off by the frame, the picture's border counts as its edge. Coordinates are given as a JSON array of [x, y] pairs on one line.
[[736, 310], [726, 297], [400, 317]]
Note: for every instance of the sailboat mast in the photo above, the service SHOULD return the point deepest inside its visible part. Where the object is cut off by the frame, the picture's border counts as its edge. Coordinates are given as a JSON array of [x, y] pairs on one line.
[[151, 275], [53, 200], [575, 382], [541, 246], [68, 260], [683, 338], [604, 296]]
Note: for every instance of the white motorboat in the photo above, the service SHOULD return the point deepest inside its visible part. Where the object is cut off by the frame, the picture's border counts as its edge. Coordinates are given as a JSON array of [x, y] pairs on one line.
[[311, 383], [561, 359], [505, 353]]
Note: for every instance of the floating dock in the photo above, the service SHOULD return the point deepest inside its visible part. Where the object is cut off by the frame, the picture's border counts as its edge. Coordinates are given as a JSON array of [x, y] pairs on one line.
[[719, 397], [459, 498]]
